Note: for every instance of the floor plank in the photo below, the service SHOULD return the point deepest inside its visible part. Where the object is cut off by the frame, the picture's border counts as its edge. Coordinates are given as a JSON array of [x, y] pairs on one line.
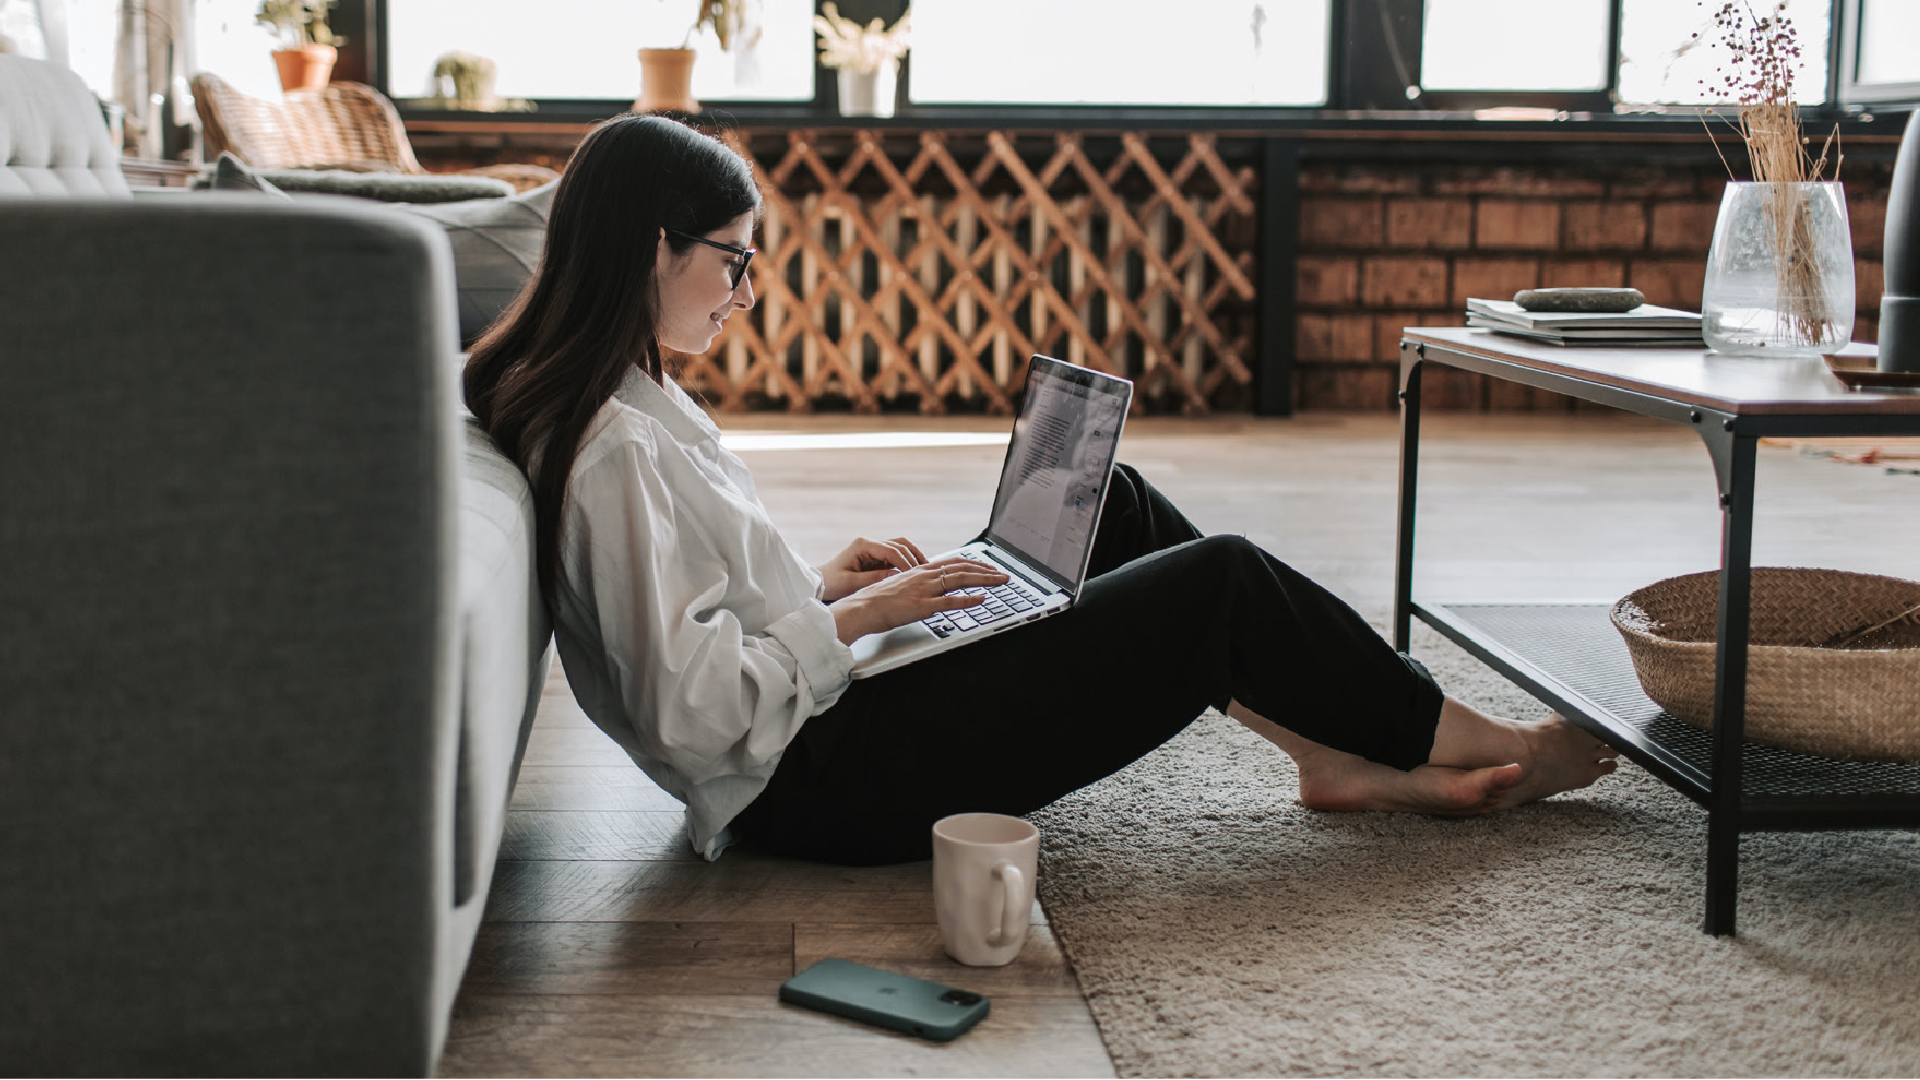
[[741, 886], [631, 958], [552, 744], [585, 834], [589, 787], [748, 1035]]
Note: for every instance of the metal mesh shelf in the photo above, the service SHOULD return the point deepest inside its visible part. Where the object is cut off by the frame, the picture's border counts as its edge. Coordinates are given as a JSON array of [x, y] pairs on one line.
[[1572, 654]]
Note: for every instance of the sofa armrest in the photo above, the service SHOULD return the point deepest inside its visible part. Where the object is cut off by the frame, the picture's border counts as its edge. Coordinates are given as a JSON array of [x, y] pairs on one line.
[[227, 635]]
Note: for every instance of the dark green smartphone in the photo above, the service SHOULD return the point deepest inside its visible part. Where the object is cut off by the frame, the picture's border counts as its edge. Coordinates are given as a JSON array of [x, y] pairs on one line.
[[900, 1002]]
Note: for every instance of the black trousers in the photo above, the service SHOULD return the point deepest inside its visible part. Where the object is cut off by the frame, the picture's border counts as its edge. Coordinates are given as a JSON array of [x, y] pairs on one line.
[[1169, 623]]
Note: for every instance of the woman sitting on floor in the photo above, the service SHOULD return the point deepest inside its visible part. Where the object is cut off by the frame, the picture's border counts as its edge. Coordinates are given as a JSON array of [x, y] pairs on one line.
[[696, 637]]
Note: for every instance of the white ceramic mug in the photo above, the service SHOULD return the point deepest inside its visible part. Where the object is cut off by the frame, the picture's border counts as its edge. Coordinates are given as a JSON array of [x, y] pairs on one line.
[[983, 878]]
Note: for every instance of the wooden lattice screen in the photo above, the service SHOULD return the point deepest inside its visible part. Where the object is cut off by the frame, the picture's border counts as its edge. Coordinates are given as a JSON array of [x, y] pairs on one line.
[[903, 270]]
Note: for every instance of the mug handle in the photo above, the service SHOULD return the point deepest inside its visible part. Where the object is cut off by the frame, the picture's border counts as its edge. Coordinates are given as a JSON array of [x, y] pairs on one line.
[[1013, 917]]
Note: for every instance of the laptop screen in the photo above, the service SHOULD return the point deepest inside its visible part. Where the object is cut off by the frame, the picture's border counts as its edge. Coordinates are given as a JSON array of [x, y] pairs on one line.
[[1058, 464]]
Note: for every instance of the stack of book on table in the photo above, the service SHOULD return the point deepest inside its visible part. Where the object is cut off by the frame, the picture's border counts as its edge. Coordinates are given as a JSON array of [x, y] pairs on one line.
[[1644, 325]]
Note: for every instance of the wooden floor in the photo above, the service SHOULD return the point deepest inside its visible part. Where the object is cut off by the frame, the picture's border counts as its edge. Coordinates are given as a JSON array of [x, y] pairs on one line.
[[609, 949]]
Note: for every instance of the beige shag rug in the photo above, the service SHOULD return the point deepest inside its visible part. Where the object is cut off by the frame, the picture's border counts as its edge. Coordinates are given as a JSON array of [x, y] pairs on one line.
[[1218, 929]]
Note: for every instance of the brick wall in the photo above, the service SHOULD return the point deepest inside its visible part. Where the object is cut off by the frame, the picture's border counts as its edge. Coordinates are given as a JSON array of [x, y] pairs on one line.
[[1384, 246]]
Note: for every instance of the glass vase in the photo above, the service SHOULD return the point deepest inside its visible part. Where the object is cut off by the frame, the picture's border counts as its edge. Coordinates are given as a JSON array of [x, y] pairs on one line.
[[1780, 273]]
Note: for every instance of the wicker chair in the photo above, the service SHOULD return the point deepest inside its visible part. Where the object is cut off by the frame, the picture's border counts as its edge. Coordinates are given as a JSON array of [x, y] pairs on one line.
[[347, 126]]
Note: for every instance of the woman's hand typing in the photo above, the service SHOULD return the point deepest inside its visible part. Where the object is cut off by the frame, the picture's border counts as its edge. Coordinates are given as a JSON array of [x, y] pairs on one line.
[[865, 562], [908, 596]]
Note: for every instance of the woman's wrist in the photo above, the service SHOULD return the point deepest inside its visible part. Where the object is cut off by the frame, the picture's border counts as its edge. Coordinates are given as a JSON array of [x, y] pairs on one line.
[[850, 619]]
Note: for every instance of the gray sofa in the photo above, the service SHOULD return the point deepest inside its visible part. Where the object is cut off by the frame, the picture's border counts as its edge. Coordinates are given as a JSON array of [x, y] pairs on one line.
[[270, 644]]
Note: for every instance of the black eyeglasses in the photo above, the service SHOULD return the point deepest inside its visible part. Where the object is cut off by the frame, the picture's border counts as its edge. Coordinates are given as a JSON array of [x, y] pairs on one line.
[[739, 268]]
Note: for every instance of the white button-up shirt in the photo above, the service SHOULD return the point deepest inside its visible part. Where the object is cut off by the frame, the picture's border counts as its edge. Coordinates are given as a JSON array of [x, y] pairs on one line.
[[691, 632]]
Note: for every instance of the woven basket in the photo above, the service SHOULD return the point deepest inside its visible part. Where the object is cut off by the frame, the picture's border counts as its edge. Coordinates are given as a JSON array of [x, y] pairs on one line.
[[1833, 659]]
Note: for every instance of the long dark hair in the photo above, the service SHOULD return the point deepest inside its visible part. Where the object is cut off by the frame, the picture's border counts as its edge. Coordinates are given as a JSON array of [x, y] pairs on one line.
[[590, 310]]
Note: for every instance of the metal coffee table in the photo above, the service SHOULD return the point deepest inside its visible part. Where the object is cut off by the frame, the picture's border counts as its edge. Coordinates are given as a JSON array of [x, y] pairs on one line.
[[1570, 657]]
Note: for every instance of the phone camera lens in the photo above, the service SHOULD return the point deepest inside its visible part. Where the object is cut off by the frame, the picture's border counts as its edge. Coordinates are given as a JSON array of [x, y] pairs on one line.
[[960, 997]]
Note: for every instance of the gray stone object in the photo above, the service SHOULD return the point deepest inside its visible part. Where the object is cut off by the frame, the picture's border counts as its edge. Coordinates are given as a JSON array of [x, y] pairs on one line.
[[1593, 300]]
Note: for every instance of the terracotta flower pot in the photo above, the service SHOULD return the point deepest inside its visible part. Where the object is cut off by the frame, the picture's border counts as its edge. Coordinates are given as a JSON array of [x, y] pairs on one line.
[[666, 81], [305, 68]]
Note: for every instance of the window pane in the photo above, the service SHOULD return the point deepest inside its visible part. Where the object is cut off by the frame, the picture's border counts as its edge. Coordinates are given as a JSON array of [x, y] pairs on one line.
[[229, 43], [1889, 41], [93, 29], [20, 24], [586, 48], [1668, 48], [1514, 45], [1187, 52]]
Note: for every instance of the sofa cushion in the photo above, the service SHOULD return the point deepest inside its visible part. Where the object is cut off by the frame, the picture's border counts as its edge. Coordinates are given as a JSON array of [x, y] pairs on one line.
[[496, 245], [53, 140], [504, 647], [504, 657]]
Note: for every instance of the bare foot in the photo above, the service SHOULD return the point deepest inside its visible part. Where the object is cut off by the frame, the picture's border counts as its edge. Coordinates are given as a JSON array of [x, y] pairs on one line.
[[1336, 781], [1558, 757], [1554, 755], [1479, 764]]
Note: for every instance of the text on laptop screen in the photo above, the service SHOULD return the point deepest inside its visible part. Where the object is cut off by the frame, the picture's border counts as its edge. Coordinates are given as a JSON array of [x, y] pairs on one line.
[[1048, 505]]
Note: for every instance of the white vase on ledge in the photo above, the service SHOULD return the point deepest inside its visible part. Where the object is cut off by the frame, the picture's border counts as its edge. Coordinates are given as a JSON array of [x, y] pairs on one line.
[[869, 93]]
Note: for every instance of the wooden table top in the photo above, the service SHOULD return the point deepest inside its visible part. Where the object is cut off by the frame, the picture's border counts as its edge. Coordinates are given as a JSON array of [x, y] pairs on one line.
[[1734, 384]]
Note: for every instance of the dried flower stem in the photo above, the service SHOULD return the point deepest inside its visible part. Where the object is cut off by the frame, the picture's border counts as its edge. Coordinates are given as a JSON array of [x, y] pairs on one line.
[[1764, 51]]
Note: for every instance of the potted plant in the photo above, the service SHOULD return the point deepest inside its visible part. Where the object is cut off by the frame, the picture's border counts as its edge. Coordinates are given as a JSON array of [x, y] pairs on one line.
[[464, 80], [666, 75], [1780, 272], [867, 58], [308, 47]]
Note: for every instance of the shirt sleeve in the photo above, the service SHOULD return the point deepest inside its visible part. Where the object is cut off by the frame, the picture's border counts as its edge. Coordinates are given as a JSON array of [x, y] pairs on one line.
[[712, 634]]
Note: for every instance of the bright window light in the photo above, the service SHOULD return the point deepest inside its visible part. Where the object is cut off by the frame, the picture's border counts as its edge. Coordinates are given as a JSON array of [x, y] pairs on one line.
[[1094, 52], [1514, 45], [93, 29], [586, 48], [230, 43], [1668, 48], [1889, 33]]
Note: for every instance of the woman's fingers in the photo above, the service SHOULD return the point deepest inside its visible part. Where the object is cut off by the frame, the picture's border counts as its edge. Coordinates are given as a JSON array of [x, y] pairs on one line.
[[875, 554], [951, 602], [910, 556], [957, 573]]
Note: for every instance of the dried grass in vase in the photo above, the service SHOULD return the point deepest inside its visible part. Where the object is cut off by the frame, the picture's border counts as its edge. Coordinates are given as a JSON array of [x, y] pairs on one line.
[[1758, 76]]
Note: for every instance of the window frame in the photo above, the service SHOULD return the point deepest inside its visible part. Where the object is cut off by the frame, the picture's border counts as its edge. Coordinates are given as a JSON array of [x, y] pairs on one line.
[[1845, 87], [1373, 55], [1376, 62]]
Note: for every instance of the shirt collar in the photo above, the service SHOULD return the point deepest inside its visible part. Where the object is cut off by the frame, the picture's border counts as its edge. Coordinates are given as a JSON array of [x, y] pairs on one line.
[[641, 392]]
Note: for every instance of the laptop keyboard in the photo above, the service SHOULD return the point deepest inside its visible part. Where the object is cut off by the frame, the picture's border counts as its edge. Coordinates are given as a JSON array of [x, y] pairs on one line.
[[1004, 603]]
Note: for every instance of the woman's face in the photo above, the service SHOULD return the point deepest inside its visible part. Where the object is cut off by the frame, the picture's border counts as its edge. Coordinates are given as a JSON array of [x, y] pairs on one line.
[[696, 287]]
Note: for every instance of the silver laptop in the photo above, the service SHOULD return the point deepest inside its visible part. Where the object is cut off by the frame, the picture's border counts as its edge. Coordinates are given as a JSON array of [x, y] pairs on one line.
[[1052, 487]]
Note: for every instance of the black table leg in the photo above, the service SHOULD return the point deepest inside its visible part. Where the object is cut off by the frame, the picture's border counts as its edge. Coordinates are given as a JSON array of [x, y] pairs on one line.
[[1411, 356], [1736, 476]]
